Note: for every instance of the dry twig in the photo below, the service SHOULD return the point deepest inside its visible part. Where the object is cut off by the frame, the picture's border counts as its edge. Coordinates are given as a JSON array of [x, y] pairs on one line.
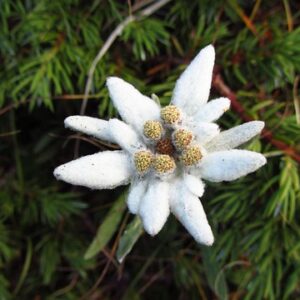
[[112, 37]]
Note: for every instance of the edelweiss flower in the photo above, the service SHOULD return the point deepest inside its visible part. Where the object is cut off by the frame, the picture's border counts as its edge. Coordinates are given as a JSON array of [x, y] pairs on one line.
[[166, 152]]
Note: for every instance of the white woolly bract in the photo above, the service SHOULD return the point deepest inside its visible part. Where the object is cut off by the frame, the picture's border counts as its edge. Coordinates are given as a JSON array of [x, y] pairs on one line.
[[193, 86], [91, 126], [194, 184], [188, 209], [154, 207], [235, 136], [229, 165], [124, 135], [104, 170], [136, 193], [212, 110], [204, 131], [134, 108]]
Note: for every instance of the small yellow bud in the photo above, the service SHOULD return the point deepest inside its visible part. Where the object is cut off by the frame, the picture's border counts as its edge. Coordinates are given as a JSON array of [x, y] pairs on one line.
[[153, 130], [182, 138], [143, 161], [191, 156], [163, 163], [170, 114]]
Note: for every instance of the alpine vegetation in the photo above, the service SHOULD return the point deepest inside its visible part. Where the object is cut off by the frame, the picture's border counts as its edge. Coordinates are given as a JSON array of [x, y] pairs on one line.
[[166, 153]]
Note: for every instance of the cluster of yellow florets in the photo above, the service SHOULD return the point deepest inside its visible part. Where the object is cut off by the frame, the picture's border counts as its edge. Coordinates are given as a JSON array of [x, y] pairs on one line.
[[163, 163], [168, 145], [191, 155], [153, 130], [143, 161], [170, 115], [182, 138]]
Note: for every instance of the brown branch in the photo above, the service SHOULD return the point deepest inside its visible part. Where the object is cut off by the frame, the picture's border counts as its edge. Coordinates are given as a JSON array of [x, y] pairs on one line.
[[223, 89]]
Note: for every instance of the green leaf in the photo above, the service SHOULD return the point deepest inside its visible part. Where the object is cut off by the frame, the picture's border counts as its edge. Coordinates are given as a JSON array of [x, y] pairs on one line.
[[50, 257], [131, 234], [214, 274], [26, 266], [291, 285], [107, 229]]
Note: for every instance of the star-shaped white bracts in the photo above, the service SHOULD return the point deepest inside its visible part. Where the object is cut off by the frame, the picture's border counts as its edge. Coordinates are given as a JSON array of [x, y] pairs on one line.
[[166, 152]]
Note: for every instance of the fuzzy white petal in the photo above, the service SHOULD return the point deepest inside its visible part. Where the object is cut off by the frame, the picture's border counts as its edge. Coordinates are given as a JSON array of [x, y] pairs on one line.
[[204, 131], [229, 165], [124, 135], [188, 209], [92, 126], [194, 184], [154, 207], [193, 86], [235, 136], [134, 108], [104, 170], [136, 193], [212, 110]]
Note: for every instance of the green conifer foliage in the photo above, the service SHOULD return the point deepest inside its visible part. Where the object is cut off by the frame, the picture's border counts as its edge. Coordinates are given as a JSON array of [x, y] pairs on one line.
[[47, 227]]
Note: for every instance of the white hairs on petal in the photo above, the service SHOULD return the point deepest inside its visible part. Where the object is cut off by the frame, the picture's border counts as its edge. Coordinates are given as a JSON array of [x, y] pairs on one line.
[[124, 135], [137, 191], [134, 108], [188, 209], [194, 184], [212, 110], [91, 126], [204, 131], [193, 86], [235, 136], [229, 165], [154, 207], [103, 170]]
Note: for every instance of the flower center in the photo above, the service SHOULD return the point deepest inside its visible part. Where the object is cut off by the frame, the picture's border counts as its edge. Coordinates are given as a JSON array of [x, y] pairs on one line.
[[170, 144], [143, 161], [191, 156], [165, 146], [163, 164], [153, 130], [170, 114], [182, 138]]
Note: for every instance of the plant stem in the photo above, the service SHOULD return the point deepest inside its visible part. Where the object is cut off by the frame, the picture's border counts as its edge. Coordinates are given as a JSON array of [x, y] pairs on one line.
[[16, 153]]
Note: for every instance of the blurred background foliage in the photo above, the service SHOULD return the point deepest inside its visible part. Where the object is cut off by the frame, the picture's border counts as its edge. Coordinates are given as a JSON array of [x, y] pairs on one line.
[[47, 227]]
